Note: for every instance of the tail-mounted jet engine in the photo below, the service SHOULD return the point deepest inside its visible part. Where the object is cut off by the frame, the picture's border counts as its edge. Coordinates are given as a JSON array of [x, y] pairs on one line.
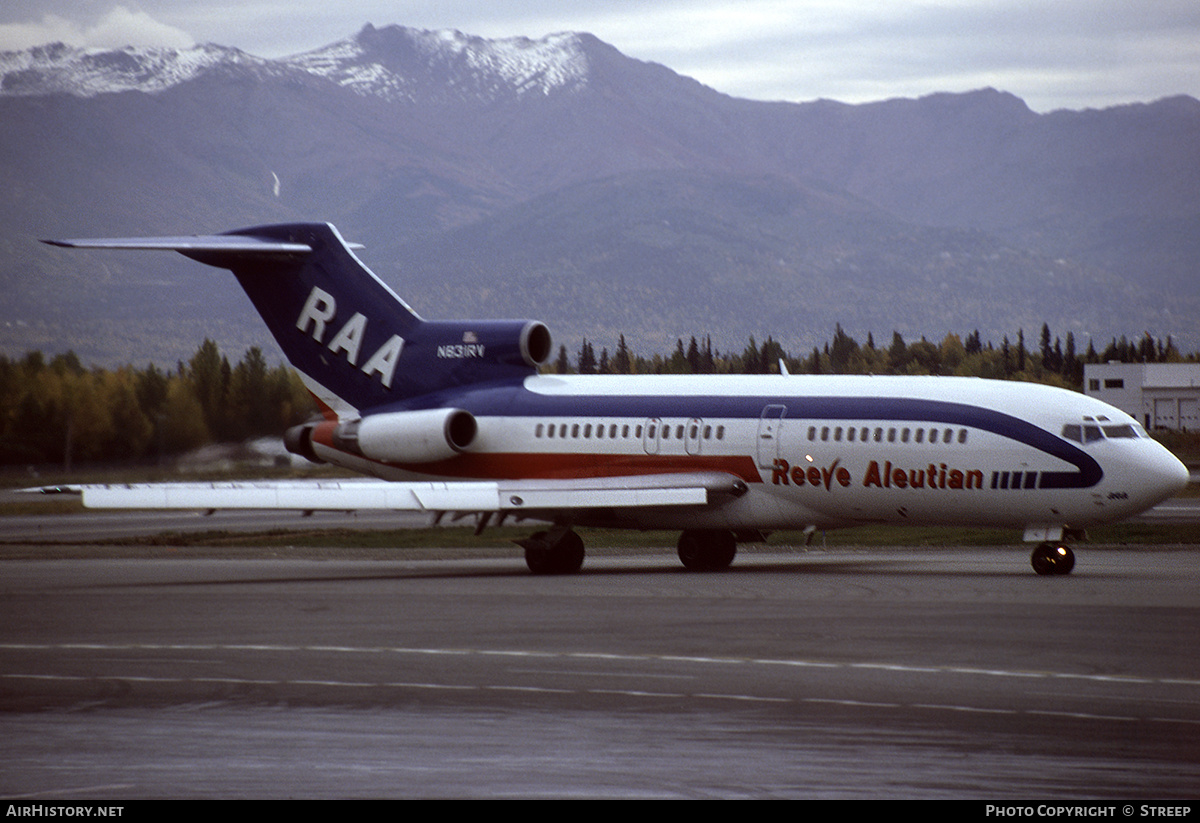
[[392, 437]]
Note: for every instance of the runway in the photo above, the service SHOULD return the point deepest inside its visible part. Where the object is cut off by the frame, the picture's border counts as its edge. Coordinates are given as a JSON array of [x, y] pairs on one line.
[[880, 673]]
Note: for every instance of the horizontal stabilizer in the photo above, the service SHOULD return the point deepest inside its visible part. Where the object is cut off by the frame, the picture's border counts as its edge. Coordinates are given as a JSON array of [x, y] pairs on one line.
[[239, 244]]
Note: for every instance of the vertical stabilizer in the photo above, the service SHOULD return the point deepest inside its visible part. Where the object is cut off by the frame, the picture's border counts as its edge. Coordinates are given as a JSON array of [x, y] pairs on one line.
[[356, 343]]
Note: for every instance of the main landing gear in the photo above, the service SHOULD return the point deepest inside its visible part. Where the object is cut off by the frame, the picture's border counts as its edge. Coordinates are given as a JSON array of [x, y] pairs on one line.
[[560, 550], [1052, 558], [707, 550]]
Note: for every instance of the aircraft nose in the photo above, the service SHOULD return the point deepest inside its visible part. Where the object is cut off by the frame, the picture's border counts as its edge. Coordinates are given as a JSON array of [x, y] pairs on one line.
[[1165, 475]]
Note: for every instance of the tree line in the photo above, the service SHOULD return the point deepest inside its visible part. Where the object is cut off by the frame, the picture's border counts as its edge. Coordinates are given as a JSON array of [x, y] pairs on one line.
[[1053, 359], [58, 411]]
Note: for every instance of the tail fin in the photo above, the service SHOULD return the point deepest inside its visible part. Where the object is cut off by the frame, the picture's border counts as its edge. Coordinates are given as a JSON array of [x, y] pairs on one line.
[[356, 343]]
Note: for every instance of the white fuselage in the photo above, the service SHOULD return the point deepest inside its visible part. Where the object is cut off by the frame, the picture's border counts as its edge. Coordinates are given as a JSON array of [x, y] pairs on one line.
[[817, 451]]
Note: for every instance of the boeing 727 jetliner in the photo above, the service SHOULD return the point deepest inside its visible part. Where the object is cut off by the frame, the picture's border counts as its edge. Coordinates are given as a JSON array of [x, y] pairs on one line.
[[453, 417]]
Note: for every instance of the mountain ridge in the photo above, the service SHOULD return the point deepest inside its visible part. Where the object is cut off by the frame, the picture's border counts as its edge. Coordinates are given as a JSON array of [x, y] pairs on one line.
[[560, 179]]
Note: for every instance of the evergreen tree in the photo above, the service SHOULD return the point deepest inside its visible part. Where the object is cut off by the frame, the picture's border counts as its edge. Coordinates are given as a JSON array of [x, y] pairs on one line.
[[693, 356], [587, 358], [973, 344], [707, 359], [622, 363], [1070, 364], [750, 359], [897, 354], [842, 351]]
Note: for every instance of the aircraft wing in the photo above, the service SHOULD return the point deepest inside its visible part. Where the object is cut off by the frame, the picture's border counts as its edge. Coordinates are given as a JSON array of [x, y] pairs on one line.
[[512, 497]]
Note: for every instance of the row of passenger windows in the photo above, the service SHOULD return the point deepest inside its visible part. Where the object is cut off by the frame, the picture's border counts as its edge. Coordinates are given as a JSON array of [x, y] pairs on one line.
[[696, 430], [879, 434], [613, 431]]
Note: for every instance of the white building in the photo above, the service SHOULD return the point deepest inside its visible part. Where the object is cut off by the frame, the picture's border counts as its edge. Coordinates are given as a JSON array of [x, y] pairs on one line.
[[1158, 395]]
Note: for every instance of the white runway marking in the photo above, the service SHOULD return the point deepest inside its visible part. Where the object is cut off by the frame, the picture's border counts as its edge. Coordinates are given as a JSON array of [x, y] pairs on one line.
[[593, 658]]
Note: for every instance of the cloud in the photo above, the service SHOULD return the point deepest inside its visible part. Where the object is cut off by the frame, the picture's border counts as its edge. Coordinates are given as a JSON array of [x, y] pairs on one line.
[[118, 27]]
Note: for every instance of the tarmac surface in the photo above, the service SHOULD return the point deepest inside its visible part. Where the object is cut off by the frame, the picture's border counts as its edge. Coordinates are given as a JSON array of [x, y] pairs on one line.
[[847, 673]]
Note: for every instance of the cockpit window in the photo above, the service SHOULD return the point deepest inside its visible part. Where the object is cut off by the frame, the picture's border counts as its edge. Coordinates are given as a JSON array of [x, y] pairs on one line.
[[1087, 433], [1091, 432]]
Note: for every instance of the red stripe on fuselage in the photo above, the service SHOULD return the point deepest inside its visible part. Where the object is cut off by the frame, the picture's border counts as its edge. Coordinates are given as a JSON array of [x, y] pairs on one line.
[[517, 466], [558, 465]]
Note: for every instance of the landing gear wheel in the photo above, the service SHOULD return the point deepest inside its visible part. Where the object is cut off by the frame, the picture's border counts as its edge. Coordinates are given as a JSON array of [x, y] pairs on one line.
[[544, 555], [1052, 558], [707, 551]]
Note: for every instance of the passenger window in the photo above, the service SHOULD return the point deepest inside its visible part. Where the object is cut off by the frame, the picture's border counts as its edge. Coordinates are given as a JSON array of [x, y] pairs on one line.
[[962, 435], [904, 436], [720, 432], [919, 436]]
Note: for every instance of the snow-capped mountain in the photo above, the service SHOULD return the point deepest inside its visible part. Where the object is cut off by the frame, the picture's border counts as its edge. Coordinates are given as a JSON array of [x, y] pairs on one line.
[[561, 179], [395, 63], [405, 64], [62, 69]]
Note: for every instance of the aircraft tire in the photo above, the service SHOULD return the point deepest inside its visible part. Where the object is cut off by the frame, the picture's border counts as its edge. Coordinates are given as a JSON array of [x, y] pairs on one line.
[[1052, 559], [706, 551], [563, 557]]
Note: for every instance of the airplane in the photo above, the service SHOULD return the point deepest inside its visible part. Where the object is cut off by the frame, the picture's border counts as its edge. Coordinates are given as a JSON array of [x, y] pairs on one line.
[[456, 417]]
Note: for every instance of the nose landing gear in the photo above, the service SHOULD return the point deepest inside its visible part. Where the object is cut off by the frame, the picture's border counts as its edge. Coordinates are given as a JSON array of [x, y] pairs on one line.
[[1052, 558]]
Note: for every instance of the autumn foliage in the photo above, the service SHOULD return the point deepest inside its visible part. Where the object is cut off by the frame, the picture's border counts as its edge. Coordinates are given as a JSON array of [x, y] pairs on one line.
[[58, 411]]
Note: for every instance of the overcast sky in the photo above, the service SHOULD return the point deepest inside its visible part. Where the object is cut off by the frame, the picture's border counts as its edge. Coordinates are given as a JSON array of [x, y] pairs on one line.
[[1053, 53]]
